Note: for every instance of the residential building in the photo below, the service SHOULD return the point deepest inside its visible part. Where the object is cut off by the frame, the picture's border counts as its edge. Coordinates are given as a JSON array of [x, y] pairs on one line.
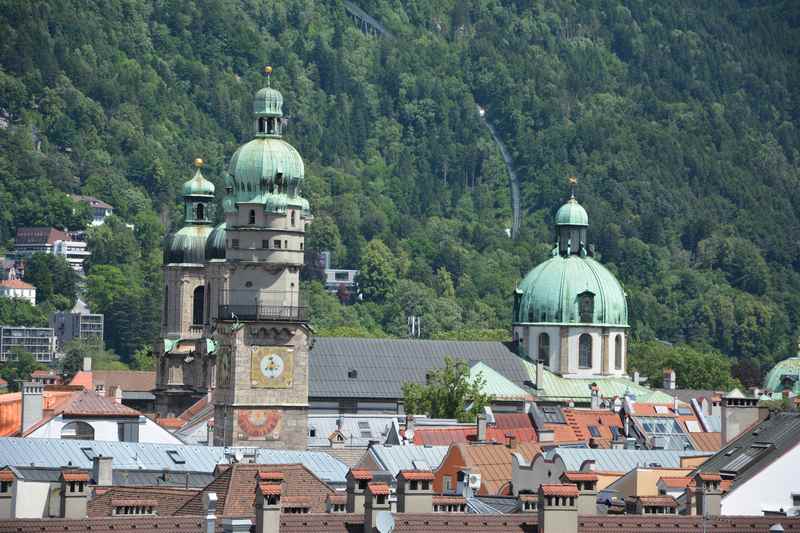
[[46, 377], [42, 240], [337, 279], [100, 209], [16, 288], [77, 323], [760, 466], [41, 342]]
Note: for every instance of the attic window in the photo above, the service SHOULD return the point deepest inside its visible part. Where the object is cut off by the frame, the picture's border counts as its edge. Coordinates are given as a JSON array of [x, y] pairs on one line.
[[89, 453], [352, 374], [176, 457], [312, 432]]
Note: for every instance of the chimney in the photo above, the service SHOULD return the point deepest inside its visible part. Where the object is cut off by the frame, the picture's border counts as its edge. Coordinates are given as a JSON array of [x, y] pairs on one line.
[[415, 491], [481, 428], [32, 405], [511, 441], [587, 490], [539, 374], [74, 494], [738, 414], [7, 478], [210, 507], [411, 426], [357, 481], [669, 379], [595, 397], [118, 395], [87, 364], [103, 471], [268, 506], [558, 510], [375, 502], [708, 494]]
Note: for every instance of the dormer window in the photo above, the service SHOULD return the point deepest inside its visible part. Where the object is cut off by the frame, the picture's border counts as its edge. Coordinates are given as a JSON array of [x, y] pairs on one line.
[[586, 303]]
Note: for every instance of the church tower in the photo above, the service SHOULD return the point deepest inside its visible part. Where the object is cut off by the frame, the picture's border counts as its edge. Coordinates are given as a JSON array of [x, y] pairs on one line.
[[182, 376], [259, 322]]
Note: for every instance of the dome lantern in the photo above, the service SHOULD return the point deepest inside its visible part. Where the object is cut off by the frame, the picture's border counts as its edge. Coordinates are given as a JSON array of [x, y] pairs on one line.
[[571, 224], [268, 109], [198, 197]]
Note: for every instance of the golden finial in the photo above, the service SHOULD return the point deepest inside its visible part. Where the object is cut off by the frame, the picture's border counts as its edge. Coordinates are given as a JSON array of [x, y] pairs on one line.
[[267, 70], [199, 163], [573, 181]]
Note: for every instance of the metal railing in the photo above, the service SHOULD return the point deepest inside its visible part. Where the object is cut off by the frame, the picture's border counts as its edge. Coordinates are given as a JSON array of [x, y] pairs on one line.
[[267, 305]]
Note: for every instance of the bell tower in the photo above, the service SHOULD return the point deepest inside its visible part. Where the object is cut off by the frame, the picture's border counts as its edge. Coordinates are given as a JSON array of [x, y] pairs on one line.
[[259, 320]]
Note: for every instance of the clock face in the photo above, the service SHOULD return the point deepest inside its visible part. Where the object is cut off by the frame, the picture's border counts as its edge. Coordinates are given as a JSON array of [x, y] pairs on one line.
[[272, 366]]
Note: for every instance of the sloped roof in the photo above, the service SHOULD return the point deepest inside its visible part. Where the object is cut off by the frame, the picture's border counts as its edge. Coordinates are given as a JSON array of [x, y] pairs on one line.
[[236, 489], [620, 460], [358, 430], [384, 365], [756, 448], [580, 420], [10, 413], [127, 380], [497, 385], [493, 462], [15, 284], [396, 458], [88, 403], [82, 379], [708, 442], [168, 500], [557, 388]]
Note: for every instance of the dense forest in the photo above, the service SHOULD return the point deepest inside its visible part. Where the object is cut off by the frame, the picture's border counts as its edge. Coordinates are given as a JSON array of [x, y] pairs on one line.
[[678, 118]]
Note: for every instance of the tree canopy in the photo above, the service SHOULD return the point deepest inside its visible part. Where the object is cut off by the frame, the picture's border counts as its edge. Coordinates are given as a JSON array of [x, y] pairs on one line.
[[448, 393]]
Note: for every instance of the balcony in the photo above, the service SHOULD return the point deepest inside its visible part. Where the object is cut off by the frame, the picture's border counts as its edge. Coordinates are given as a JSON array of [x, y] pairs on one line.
[[266, 305]]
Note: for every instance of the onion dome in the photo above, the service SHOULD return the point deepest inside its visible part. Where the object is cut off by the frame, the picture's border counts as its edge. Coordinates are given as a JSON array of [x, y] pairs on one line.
[[198, 185], [187, 245], [215, 244], [571, 290], [266, 170], [572, 214], [785, 375]]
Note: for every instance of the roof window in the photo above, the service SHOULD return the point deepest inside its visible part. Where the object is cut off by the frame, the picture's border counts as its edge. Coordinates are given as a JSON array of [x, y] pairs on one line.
[[176, 457]]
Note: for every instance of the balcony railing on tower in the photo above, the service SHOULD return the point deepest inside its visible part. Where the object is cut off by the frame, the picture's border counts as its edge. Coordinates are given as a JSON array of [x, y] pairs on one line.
[[263, 305]]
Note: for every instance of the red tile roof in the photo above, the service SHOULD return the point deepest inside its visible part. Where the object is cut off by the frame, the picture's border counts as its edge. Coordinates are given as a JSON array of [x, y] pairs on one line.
[[10, 414], [448, 500], [74, 475], [6, 475], [15, 284], [170, 422], [379, 489], [360, 474], [337, 498], [676, 482], [89, 403], [270, 489], [421, 475], [132, 502], [493, 462], [709, 476], [559, 490], [444, 436], [579, 476], [707, 442], [127, 380], [39, 235], [270, 475], [84, 379], [3, 382], [236, 489], [169, 499]]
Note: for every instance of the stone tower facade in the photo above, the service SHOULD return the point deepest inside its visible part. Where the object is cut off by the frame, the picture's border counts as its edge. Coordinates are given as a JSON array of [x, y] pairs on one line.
[[258, 320]]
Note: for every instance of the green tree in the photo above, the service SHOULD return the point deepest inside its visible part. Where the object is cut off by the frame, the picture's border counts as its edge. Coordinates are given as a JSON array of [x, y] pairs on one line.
[[19, 367], [52, 276], [444, 283], [19, 312], [694, 369], [77, 349], [377, 277], [143, 359], [449, 393]]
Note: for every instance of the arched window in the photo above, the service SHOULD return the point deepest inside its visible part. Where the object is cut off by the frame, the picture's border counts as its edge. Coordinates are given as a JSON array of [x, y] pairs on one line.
[[271, 126], [585, 351], [77, 431], [198, 301], [252, 218], [262, 125], [618, 352], [544, 347], [201, 212]]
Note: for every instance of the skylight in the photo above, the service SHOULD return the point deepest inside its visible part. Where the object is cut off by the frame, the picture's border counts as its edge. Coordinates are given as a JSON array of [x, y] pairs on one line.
[[176, 457]]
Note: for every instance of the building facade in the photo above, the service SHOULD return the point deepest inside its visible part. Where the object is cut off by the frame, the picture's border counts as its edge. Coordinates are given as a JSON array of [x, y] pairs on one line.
[[41, 342], [16, 288], [78, 323], [570, 312]]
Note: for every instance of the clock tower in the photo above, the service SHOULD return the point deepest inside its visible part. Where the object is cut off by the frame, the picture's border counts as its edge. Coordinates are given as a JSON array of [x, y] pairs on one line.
[[259, 329]]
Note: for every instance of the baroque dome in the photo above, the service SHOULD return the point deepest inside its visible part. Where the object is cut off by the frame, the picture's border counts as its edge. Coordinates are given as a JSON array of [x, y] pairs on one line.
[[552, 292], [187, 245], [255, 166], [572, 214], [784, 374], [215, 244], [198, 186]]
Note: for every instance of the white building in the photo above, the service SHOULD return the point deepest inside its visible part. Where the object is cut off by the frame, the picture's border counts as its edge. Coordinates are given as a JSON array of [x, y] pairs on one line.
[[100, 209], [31, 241], [16, 288]]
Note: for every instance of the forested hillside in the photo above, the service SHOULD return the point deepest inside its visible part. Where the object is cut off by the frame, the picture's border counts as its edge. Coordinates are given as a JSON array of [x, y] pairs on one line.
[[679, 119]]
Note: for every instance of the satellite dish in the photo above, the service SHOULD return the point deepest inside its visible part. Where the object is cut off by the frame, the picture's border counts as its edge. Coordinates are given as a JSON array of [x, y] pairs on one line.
[[385, 522]]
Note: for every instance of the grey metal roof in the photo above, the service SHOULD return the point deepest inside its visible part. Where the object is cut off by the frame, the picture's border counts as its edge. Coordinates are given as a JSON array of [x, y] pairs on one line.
[[137, 395], [358, 430], [57, 453], [383, 365], [620, 460], [128, 477], [396, 458], [492, 505], [663, 432], [755, 449]]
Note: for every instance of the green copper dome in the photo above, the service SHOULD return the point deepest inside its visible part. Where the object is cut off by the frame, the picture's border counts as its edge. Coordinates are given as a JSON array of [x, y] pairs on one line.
[[187, 245], [265, 170], [268, 102], [785, 374], [572, 214], [215, 244], [571, 290], [198, 186]]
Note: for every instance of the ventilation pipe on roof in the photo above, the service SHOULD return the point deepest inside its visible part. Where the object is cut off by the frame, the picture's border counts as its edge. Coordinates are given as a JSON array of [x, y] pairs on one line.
[[210, 507], [103, 471], [481, 428]]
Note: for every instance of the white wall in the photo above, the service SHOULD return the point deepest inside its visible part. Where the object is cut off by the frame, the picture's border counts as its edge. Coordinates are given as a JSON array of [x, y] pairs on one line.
[[30, 499], [106, 429], [770, 489]]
